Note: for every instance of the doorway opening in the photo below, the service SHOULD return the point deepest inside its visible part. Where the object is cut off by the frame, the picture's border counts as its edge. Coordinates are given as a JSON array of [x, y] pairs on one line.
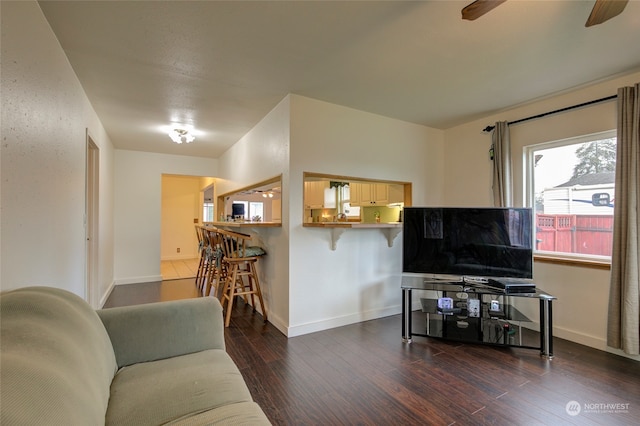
[[184, 206], [92, 180]]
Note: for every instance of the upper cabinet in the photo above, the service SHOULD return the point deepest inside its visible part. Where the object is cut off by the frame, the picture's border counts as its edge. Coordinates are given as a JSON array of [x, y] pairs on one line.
[[314, 194], [369, 194]]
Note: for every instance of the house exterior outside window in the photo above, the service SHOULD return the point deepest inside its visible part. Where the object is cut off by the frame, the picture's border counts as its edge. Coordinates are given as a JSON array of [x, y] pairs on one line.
[[571, 186]]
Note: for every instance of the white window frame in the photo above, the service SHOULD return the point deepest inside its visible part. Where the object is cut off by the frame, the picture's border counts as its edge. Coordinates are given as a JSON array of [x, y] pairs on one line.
[[252, 209], [208, 212], [529, 190]]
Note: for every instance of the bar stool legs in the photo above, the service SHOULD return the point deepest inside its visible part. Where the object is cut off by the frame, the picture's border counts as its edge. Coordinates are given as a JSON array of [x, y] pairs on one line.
[[242, 275], [201, 263], [242, 282]]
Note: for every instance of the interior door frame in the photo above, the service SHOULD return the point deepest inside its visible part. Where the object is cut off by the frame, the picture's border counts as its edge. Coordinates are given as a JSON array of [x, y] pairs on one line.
[[92, 180]]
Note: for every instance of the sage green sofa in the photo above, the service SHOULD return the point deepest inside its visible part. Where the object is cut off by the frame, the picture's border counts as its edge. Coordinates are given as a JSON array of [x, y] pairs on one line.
[[63, 363]]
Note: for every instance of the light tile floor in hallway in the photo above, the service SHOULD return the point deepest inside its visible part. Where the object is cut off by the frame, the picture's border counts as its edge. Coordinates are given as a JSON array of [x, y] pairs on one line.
[[179, 269]]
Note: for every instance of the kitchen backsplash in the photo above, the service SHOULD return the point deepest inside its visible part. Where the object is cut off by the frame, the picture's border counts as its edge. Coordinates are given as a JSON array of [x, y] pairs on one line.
[[367, 215]]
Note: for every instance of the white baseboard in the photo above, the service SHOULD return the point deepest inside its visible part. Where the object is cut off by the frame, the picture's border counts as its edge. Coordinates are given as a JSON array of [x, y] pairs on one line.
[[136, 280], [105, 297], [329, 323], [591, 341], [621, 353], [581, 338], [278, 323]]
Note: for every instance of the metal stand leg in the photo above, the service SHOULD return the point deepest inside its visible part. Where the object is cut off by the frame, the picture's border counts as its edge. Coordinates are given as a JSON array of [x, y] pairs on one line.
[[406, 315], [546, 329]]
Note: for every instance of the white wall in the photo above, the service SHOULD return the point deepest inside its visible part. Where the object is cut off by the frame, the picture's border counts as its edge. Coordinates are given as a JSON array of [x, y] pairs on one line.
[[137, 209], [45, 117], [181, 202], [361, 279], [307, 286], [261, 154], [580, 314]]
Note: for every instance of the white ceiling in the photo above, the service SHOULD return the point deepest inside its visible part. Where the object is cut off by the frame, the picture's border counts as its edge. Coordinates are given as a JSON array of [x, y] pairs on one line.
[[222, 66]]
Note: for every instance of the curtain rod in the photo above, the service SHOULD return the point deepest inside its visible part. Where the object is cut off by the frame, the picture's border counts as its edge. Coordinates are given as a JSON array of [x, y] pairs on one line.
[[544, 114]]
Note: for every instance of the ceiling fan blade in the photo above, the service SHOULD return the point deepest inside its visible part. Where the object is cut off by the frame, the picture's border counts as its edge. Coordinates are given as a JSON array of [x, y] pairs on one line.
[[478, 8], [604, 10]]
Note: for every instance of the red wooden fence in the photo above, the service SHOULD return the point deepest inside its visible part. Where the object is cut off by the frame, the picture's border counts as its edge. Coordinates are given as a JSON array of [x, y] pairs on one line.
[[584, 234]]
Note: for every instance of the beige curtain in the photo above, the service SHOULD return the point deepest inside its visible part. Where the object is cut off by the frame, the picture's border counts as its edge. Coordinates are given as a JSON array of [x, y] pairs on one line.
[[501, 146], [623, 330]]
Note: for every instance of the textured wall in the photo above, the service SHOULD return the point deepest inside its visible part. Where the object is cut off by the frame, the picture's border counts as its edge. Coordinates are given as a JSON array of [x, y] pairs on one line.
[[45, 117]]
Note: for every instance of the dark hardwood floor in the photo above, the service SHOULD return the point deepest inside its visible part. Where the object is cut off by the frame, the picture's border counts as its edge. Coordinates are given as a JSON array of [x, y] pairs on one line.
[[362, 374], [159, 291]]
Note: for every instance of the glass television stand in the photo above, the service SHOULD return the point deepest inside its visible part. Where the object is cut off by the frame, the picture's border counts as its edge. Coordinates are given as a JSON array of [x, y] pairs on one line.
[[475, 313]]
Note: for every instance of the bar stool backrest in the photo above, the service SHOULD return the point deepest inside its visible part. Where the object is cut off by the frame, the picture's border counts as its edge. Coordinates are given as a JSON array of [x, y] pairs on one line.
[[234, 244], [240, 261], [199, 235]]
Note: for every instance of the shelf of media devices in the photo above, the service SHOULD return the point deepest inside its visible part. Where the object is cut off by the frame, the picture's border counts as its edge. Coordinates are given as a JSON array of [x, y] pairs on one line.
[[391, 230]]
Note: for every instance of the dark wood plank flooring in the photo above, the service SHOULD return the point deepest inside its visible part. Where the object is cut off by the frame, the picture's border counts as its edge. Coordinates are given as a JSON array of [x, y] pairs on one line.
[[362, 374]]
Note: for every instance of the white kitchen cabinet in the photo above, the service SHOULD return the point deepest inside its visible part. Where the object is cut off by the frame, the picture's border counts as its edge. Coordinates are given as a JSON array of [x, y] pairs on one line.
[[366, 198], [354, 193], [379, 193], [314, 194], [369, 194]]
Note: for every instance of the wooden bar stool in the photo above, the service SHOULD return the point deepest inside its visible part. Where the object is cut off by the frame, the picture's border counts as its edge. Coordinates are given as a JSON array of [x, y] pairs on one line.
[[206, 257], [200, 272], [242, 275], [216, 271]]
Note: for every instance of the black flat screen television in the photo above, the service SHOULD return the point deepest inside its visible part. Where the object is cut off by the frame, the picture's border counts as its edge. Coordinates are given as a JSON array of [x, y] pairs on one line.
[[237, 209], [468, 242]]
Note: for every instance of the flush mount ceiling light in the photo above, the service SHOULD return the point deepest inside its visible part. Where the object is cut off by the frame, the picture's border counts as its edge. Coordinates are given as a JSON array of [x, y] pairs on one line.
[[181, 135]]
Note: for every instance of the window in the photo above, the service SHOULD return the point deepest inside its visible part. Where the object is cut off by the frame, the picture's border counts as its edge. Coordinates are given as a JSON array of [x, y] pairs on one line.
[[256, 211], [571, 189], [345, 199], [249, 210], [207, 213]]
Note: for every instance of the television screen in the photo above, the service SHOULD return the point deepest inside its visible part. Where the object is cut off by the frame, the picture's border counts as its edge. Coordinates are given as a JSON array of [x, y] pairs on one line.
[[237, 209], [476, 242]]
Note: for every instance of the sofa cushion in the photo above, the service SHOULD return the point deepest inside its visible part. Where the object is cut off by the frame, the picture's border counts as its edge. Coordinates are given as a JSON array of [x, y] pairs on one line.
[[153, 331], [166, 390], [56, 357], [241, 413]]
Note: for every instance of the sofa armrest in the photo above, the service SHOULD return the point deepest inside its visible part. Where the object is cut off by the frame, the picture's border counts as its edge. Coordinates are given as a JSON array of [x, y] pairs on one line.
[[153, 331]]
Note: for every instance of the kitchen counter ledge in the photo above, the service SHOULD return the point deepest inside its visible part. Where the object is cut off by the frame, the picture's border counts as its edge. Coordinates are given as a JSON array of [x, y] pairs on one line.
[[245, 224], [352, 225], [391, 230]]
